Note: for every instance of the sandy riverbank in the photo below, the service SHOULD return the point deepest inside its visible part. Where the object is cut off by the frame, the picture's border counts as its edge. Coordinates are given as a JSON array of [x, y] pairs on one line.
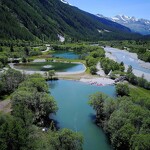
[[98, 81]]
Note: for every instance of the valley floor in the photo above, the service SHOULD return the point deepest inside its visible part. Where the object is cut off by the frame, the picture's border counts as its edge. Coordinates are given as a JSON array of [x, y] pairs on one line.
[[78, 75]]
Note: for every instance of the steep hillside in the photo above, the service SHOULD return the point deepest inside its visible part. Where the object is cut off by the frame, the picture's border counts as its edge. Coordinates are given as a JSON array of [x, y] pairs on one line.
[[46, 19]]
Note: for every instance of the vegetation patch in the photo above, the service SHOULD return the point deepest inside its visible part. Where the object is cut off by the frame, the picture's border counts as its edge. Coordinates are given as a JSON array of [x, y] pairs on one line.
[[124, 119], [25, 128]]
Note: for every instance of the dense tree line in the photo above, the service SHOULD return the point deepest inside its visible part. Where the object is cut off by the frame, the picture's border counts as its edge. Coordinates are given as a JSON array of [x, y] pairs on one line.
[[122, 89], [92, 59], [11, 53], [140, 81], [20, 43], [15, 134], [33, 95], [3, 59], [31, 106], [110, 65], [125, 120], [10, 80], [82, 48]]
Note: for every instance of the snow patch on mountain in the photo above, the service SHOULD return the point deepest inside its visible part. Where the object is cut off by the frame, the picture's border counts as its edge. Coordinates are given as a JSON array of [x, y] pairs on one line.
[[137, 25], [61, 38], [123, 18], [65, 2], [102, 31]]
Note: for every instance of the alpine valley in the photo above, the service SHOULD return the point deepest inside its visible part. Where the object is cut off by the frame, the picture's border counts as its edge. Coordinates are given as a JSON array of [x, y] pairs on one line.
[[72, 80], [49, 19]]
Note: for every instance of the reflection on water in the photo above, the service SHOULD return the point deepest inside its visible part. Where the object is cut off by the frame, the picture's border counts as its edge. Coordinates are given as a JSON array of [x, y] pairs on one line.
[[57, 66]]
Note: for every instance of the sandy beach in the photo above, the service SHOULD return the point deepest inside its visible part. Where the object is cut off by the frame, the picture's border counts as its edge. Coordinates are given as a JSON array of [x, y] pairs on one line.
[[98, 81]]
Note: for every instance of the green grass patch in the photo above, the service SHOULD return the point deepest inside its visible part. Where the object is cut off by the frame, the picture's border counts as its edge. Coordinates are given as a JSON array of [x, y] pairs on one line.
[[136, 91]]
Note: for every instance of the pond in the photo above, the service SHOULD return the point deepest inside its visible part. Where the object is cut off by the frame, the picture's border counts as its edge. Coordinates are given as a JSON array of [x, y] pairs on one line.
[[46, 66], [75, 113], [67, 55]]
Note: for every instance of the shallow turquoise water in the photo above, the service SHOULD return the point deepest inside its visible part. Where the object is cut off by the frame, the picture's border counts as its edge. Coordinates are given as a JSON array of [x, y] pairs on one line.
[[68, 55], [57, 66], [75, 113]]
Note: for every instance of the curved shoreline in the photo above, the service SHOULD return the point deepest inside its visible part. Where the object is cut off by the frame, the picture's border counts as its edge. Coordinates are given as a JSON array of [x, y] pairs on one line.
[[43, 72], [97, 81]]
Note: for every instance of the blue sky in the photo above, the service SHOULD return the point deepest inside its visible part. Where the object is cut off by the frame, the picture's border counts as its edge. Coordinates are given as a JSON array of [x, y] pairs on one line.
[[110, 8]]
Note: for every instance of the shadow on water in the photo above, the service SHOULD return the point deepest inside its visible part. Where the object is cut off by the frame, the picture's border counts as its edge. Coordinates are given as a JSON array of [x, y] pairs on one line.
[[92, 117], [52, 83], [55, 122]]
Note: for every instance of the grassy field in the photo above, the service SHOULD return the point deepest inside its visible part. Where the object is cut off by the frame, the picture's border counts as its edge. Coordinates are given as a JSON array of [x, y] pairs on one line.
[[138, 91]]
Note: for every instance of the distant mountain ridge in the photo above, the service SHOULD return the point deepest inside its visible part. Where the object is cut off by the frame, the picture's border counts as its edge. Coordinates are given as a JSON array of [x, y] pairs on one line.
[[137, 25], [50, 19]]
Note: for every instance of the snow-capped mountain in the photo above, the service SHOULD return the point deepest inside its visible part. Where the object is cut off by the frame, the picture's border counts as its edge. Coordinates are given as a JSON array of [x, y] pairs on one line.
[[123, 18], [137, 25]]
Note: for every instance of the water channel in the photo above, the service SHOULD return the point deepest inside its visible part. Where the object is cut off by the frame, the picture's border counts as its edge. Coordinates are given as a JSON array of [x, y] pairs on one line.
[[127, 58], [67, 55], [75, 113]]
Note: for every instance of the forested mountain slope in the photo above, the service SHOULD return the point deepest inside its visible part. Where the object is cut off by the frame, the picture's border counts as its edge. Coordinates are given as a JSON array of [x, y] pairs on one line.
[[45, 19]]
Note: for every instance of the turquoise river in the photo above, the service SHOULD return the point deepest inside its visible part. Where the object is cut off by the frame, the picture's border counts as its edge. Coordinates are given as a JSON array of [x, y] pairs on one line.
[[75, 113]]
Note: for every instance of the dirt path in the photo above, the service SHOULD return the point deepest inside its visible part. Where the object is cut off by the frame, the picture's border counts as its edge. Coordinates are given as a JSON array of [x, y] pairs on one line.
[[100, 70], [47, 49], [5, 106]]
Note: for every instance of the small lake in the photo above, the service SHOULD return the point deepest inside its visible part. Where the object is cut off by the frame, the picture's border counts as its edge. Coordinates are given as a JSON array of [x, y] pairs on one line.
[[46, 66], [75, 113], [67, 55], [126, 58]]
